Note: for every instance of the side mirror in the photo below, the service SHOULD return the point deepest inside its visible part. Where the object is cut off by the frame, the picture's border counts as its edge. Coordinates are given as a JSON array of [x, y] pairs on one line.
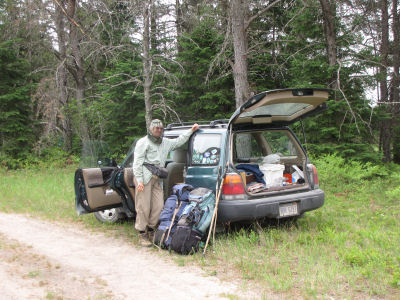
[[107, 162]]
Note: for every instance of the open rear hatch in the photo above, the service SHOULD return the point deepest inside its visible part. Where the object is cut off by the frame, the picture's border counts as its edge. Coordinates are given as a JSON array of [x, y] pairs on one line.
[[281, 107], [258, 127]]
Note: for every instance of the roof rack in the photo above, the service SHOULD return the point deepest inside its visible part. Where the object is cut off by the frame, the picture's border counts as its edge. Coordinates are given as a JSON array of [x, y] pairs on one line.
[[212, 123]]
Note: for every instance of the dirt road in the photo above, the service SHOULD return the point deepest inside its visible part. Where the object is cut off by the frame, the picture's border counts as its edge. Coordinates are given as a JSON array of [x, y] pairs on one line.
[[40, 259]]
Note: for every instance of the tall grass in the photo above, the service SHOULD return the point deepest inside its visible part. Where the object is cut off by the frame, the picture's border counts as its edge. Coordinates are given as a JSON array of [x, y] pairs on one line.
[[349, 248], [46, 192]]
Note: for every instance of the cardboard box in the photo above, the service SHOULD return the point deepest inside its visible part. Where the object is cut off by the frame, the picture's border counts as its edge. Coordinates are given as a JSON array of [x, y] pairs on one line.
[[250, 178], [243, 174]]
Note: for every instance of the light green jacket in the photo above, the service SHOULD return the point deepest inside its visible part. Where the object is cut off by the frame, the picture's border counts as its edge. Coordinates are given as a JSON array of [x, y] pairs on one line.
[[147, 151]]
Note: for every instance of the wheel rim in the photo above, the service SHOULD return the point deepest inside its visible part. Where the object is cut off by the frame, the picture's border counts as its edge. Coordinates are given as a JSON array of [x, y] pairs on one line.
[[108, 214]]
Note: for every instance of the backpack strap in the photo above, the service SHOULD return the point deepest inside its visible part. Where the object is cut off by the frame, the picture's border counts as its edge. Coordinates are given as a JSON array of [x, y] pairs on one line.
[[173, 219], [161, 239]]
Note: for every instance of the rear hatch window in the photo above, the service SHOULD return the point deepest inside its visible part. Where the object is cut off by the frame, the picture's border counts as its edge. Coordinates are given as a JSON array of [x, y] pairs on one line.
[[275, 153], [280, 107], [254, 146]]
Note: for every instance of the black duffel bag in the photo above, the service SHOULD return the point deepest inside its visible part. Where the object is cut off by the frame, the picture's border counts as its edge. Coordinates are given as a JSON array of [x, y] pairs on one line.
[[156, 170]]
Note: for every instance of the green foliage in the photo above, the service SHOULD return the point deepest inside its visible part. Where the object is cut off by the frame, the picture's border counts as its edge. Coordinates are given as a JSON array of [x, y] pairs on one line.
[[351, 172], [50, 157], [346, 249], [335, 131], [118, 117], [197, 98], [395, 192], [287, 48], [15, 113], [299, 59]]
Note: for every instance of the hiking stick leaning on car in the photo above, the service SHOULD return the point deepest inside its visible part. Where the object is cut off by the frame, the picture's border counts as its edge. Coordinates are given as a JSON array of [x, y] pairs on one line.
[[214, 217]]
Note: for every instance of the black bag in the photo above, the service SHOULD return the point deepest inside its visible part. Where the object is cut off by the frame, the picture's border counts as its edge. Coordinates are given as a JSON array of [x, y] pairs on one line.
[[156, 170], [186, 240]]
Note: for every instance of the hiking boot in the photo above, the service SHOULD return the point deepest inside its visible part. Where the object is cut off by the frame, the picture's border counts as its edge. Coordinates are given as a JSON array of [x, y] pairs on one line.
[[150, 235], [144, 240]]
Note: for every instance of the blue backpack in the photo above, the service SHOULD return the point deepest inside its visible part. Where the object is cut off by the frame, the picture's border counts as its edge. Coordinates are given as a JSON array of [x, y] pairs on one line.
[[194, 221], [173, 209]]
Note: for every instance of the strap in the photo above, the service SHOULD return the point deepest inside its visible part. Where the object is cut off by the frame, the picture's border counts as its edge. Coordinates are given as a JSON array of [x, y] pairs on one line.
[[162, 239], [173, 219]]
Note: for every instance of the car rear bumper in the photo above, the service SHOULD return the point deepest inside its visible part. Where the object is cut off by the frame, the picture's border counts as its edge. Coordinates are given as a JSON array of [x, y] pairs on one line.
[[268, 207]]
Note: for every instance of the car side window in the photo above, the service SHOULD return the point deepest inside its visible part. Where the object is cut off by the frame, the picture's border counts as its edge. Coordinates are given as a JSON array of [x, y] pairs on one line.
[[171, 153], [206, 149]]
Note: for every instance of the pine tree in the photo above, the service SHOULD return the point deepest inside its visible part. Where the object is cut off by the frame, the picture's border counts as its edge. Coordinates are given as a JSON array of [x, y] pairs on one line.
[[16, 134]]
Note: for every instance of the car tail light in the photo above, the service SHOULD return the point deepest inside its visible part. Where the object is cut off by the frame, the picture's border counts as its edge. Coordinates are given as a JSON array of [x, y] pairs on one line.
[[314, 177], [233, 185]]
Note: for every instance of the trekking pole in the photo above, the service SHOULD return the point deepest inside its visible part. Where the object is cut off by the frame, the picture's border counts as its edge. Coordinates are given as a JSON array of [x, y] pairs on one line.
[[214, 217], [217, 201], [212, 220]]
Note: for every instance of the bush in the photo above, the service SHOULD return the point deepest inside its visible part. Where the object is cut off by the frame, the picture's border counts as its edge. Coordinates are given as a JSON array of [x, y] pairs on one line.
[[52, 157], [334, 166]]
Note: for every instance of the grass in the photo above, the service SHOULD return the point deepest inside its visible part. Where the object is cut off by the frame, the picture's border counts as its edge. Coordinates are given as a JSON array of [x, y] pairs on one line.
[[346, 249]]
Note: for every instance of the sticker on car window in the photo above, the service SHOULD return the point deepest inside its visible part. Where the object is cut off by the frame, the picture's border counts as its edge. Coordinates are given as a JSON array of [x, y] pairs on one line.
[[206, 149]]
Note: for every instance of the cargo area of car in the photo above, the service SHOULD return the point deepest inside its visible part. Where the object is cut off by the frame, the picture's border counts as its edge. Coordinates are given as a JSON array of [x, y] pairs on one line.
[[269, 161]]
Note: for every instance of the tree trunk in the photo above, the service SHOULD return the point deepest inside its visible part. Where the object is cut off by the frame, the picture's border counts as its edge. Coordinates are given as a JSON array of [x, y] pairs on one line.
[[153, 28], [224, 10], [147, 80], [178, 24], [384, 50], [79, 71], [238, 15], [329, 16], [61, 76], [396, 82]]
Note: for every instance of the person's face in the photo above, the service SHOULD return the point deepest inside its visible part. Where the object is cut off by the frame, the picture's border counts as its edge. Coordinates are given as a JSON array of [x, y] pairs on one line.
[[157, 131]]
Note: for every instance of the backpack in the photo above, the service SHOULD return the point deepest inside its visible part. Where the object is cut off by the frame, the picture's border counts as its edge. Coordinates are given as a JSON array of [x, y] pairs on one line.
[[194, 221], [186, 240], [173, 209], [199, 212]]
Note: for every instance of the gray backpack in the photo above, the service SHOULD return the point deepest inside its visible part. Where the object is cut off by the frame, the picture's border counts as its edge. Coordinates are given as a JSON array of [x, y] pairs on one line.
[[194, 221]]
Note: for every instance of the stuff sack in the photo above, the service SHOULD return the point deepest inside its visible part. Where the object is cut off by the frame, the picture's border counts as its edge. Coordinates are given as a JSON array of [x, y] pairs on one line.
[[199, 212], [186, 240], [182, 191], [174, 205], [157, 170]]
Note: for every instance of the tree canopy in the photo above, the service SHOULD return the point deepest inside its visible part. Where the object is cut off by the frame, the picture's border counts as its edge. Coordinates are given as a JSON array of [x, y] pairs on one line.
[[72, 71]]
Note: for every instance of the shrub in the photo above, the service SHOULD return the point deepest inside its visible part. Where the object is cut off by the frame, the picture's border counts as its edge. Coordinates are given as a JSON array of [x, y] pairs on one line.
[[334, 166]]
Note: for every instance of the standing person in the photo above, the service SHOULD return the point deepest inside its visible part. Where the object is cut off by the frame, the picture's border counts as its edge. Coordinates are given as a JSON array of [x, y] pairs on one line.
[[152, 149]]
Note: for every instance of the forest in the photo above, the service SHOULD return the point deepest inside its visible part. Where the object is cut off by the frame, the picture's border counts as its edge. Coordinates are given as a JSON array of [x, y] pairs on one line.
[[72, 72]]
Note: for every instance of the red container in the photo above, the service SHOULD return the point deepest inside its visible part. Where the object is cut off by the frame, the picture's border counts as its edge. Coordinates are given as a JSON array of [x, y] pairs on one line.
[[288, 177]]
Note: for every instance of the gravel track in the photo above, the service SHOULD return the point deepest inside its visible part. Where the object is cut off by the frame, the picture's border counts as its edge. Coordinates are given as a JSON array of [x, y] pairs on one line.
[[42, 259]]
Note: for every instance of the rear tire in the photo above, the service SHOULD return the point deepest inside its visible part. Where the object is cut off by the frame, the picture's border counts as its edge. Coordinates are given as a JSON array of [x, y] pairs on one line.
[[111, 216]]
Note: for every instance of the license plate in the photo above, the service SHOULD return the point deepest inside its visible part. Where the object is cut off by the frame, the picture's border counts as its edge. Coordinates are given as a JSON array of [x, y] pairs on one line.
[[289, 209]]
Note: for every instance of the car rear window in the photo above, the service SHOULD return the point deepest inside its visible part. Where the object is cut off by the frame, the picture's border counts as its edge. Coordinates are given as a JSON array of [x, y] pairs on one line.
[[280, 143], [206, 149], [256, 145]]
